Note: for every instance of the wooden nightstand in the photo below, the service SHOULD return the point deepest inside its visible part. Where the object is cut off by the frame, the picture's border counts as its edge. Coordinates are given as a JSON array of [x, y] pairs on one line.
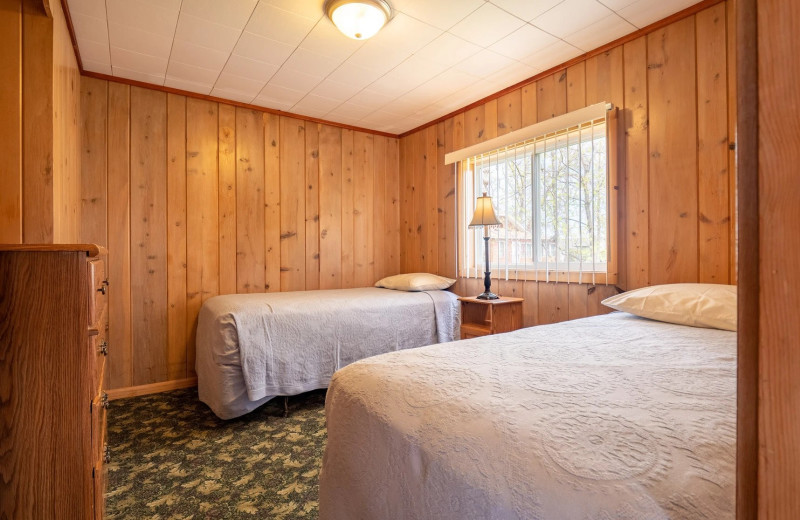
[[484, 317]]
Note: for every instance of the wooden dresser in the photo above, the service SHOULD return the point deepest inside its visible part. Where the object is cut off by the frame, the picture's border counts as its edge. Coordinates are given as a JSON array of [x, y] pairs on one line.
[[53, 330]]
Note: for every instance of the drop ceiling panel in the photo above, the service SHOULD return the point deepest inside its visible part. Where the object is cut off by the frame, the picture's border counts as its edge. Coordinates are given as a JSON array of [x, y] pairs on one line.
[[432, 57], [486, 25], [570, 16], [250, 69]]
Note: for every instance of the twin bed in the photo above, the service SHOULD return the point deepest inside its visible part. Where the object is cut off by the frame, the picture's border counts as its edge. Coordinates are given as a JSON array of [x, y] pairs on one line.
[[254, 347], [610, 417]]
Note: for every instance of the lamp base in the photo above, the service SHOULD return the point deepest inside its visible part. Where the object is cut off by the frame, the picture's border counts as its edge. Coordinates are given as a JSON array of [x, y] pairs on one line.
[[488, 295]]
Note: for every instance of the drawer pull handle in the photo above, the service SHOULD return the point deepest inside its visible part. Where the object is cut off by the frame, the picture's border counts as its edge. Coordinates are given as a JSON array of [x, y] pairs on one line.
[[102, 289], [103, 348], [106, 454], [104, 401]]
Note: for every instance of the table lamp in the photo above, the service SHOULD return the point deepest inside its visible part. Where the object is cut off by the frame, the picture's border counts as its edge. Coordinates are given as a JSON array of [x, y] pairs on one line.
[[484, 216]]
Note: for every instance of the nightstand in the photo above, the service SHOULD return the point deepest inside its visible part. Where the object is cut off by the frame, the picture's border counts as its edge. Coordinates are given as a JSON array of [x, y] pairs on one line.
[[485, 317]]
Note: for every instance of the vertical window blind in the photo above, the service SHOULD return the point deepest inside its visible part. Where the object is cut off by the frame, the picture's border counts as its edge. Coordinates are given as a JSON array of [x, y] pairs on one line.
[[551, 193]]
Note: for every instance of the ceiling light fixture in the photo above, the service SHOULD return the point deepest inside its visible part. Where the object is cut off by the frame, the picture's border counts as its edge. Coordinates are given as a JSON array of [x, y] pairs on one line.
[[358, 19]]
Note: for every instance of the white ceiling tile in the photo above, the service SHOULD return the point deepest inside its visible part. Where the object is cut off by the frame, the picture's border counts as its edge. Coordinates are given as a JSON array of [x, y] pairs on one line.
[[156, 18], [250, 69], [513, 74], [552, 55], [139, 40], [379, 118], [304, 8], [187, 72], [416, 68], [317, 64], [280, 95], [526, 9], [206, 33], [317, 104], [121, 72], [606, 30], [336, 90], [234, 95], [192, 54], [393, 88], [143, 63], [616, 5], [484, 63], [191, 86], [379, 58], [233, 13], [93, 66], [244, 86], [358, 77], [326, 39], [263, 49], [95, 8], [405, 32], [372, 98], [350, 111], [276, 24], [570, 16], [486, 25], [523, 42], [295, 80], [441, 14], [94, 51], [166, 5], [448, 49], [90, 28], [645, 12]]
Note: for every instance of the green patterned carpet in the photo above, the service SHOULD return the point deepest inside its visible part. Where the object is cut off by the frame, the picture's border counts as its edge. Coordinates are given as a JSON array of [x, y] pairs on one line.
[[172, 458]]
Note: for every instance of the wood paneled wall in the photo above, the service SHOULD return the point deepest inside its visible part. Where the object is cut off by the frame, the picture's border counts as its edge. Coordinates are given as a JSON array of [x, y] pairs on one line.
[[40, 152], [676, 195], [195, 198]]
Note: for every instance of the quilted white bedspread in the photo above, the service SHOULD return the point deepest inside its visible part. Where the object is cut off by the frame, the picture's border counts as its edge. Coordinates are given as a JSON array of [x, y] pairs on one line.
[[252, 347], [610, 417]]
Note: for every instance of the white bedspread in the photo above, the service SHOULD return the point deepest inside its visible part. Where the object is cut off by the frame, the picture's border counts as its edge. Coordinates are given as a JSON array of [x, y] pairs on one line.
[[611, 417], [252, 347]]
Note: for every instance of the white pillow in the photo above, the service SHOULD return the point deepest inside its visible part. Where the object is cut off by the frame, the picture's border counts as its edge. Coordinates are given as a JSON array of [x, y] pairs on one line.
[[415, 282], [695, 304]]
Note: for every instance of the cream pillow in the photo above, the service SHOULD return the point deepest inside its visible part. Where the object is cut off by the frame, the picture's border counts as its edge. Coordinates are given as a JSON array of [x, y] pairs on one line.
[[695, 304], [415, 282]]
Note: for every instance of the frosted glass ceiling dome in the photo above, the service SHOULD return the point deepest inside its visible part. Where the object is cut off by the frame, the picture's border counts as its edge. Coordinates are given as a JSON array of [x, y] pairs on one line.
[[358, 19]]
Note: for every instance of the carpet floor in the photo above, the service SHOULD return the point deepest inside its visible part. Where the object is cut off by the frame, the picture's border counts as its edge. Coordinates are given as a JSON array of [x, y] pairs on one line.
[[172, 458]]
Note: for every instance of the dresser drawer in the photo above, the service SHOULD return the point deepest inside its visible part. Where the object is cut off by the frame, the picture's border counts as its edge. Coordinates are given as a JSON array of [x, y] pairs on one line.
[[97, 293], [98, 351], [99, 428], [99, 490]]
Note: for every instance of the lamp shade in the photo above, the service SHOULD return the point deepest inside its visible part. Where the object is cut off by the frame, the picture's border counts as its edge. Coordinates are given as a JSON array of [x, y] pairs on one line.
[[484, 213], [358, 19]]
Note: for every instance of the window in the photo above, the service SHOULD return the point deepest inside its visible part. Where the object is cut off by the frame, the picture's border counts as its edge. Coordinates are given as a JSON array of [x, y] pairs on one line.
[[551, 193]]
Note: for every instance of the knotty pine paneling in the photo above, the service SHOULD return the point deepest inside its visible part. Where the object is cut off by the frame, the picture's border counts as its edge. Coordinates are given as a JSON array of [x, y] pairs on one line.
[[674, 208], [195, 198], [40, 199], [149, 234], [11, 122]]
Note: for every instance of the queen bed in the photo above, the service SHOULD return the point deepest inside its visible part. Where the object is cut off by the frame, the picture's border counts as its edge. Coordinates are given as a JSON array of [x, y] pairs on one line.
[[609, 417], [253, 347]]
